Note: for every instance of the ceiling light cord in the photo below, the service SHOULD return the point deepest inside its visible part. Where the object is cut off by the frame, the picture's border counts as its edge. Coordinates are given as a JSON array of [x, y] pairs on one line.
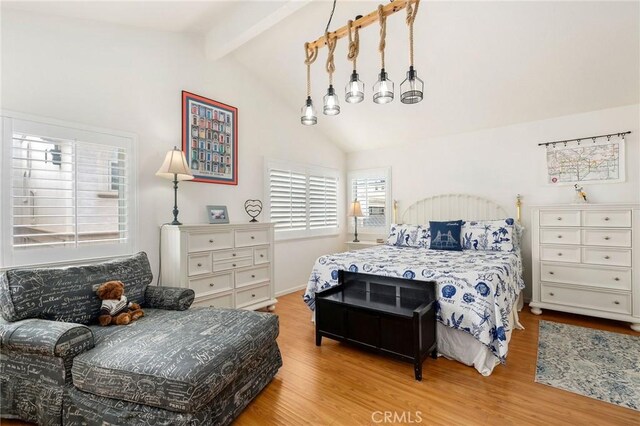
[[310, 57], [333, 9], [331, 47], [354, 44], [411, 17], [383, 32]]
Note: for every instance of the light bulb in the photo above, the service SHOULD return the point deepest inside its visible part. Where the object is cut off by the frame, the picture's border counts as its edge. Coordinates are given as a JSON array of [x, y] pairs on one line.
[[383, 89], [331, 105], [411, 89], [308, 113], [354, 90]]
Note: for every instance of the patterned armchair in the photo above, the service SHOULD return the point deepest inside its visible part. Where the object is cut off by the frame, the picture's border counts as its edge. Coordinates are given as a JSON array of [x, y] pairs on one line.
[[57, 366]]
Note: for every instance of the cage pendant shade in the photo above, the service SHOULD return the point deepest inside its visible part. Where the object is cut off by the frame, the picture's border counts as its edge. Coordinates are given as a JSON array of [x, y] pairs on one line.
[[331, 104], [383, 89], [308, 113], [412, 88], [354, 90]]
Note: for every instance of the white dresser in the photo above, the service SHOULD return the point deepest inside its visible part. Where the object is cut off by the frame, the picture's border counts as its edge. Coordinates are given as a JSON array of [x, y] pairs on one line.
[[586, 260], [228, 265]]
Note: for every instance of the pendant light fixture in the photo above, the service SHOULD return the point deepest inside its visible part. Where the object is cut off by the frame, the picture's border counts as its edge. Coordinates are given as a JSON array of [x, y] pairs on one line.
[[354, 90], [411, 89], [383, 89], [331, 104], [308, 115]]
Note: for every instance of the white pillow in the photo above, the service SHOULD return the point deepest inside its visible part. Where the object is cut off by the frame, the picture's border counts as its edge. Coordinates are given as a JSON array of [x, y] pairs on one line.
[[403, 235], [489, 235]]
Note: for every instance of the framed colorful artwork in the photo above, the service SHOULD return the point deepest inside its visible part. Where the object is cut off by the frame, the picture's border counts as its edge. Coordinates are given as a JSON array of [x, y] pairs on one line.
[[210, 139]]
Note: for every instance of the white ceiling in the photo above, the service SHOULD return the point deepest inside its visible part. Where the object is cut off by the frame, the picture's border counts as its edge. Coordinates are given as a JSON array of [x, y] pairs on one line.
[[485, 64]]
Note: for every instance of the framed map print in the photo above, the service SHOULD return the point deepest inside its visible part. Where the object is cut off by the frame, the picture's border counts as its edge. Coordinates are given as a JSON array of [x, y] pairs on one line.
[[210, 139]]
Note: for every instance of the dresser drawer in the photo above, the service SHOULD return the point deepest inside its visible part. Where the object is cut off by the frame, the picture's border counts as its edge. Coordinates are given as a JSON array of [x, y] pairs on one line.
[[559, 218], [560, 253], [607, 218], [586, 298], [253, 276], [602, 256], [252, 295], [607, 237], [225, 265], [261, 255], [199, 263], [225, 301], [212, 284], [247, 238], [614, 278], [210, 241], [560, 236], [231, 254]]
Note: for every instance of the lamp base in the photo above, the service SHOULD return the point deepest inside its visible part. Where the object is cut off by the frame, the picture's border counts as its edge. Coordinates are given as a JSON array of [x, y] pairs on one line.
[[356, 240], [176, 222]]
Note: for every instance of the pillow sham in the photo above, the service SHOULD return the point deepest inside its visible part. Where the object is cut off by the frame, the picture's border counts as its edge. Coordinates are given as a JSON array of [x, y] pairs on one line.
[[489, 235], [423, 240], [446, 235], [403, 235]]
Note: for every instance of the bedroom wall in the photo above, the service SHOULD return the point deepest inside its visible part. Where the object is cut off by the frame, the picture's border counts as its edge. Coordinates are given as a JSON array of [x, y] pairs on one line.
[[131, 80], [501, 162]]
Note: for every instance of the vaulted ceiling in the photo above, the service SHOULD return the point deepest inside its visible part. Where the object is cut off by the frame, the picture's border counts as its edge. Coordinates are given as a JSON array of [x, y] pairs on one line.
[[484, 64]]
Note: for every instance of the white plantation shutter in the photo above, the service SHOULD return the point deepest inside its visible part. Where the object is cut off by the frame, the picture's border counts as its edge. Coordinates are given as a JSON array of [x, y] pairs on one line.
[[303, 200], [372, 189], [288, 197], [71, 193], [323, 202]]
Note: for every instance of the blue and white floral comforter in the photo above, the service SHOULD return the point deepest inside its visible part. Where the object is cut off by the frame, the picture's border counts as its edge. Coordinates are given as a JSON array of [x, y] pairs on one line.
[[476, 289]]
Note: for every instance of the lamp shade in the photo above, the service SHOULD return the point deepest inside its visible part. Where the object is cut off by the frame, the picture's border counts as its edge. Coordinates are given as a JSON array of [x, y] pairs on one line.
[[175, 166], [355, 210]]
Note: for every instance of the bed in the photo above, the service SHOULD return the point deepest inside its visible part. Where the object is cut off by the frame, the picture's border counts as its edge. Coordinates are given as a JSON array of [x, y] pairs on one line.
[[478, 291]]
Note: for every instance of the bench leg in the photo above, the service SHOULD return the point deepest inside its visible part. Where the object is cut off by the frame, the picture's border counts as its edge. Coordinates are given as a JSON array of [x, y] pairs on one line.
[[417, 367], [318, 339], [434, 354]]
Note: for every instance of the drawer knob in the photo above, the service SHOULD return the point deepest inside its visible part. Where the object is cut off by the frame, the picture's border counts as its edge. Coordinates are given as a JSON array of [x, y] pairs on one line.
[[234, 255], [210, 241], [615, 302], [211, 306], [211, 284], [559, 217], [551, 272], [559, 254], [253, 238], [607, 238], [199, 265], [559, 236], [233, 264], [253, 276], [551, 294], [616, 279], [607, 257], [262, 255], [607, 219], [253, 295]]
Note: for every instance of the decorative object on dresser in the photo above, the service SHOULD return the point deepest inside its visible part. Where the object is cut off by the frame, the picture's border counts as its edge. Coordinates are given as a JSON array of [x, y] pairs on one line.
[[175, 167], [217, 214], [253, 209], [393, 316], [226, 265], [210, 139], [583, 260], [355, 211]]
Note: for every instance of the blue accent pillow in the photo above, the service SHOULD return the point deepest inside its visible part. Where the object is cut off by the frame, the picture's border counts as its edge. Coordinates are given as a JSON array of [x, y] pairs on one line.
[[446, 235]]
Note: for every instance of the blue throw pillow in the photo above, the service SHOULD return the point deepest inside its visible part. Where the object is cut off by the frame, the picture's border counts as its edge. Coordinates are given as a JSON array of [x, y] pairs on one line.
[[446, 235]]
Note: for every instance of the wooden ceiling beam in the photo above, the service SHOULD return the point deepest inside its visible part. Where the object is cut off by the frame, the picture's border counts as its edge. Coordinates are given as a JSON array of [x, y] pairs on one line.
[[365, 21]]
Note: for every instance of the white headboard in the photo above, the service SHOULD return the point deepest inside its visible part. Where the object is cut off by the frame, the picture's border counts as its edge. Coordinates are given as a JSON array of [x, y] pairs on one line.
[[453, 207]]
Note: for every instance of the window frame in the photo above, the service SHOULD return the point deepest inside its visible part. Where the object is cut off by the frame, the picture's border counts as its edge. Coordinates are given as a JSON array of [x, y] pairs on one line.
[[371, 173], [307, 170], [68, 130]]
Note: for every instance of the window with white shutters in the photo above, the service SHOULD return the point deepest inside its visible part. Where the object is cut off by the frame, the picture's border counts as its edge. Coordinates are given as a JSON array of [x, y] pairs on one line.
[[69, 194], [303, 200], [373, 189]]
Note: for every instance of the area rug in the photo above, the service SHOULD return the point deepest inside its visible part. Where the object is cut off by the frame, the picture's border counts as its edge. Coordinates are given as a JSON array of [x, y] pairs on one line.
[[594, 363]]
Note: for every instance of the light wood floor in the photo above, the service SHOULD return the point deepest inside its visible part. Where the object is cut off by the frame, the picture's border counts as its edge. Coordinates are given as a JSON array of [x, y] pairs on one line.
[[336, 384]]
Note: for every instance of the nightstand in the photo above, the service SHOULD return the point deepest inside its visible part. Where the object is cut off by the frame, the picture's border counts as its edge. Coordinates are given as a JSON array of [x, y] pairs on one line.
[[360, 245]]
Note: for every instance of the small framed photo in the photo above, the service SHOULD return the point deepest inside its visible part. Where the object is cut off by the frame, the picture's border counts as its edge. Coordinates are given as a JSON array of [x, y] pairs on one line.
[[217, 214]]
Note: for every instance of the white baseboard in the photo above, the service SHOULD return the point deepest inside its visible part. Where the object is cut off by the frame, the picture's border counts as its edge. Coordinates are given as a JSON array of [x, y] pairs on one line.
[[291, 290]]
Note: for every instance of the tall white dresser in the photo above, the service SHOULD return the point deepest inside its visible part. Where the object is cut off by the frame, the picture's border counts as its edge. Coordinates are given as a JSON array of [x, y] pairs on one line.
[[227, 265], [586, 260]]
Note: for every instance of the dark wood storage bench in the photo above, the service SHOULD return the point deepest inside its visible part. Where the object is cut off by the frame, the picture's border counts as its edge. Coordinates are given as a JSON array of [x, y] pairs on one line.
[[392, 316]]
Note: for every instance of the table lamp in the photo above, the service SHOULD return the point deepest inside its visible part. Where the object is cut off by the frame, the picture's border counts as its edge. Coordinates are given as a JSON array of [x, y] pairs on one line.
[[175, 167], [355, 211]]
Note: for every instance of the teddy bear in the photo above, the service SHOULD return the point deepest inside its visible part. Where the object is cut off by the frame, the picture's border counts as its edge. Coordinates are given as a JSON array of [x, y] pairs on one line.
[[115, 308]]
